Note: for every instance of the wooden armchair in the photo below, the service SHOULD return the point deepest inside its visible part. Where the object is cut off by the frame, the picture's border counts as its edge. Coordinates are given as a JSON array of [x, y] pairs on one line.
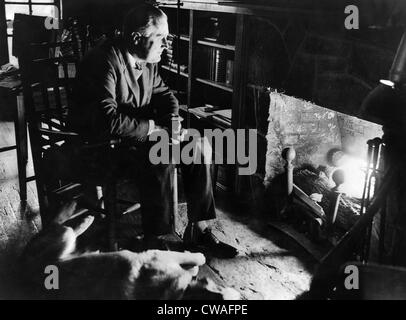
[[59, 174]]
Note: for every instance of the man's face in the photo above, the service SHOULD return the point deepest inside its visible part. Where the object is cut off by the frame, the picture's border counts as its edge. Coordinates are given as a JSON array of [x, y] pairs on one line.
[[150, 46]]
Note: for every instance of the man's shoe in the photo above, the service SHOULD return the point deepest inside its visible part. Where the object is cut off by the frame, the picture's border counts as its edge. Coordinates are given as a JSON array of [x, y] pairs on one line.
[[207, 243]]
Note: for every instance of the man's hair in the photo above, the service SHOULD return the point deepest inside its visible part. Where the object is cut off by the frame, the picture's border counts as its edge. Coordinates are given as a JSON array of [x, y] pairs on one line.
[[140, 18]]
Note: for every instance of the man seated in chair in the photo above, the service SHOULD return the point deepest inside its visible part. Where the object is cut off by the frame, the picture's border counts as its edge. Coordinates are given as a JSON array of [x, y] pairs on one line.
[[120, 94]]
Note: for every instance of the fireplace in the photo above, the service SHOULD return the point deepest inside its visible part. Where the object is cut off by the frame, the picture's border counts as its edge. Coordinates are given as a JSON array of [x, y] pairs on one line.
[[318, 135]]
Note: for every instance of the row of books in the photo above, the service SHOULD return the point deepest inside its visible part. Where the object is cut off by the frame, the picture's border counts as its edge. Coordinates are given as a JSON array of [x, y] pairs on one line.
[[223, 117], [169, 50], [217, 65], [219, 116], [174, 67], [219, 68], [172, 43]]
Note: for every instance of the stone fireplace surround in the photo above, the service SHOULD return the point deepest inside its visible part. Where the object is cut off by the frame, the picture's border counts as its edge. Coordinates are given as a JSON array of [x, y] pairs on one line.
[[313, 131]]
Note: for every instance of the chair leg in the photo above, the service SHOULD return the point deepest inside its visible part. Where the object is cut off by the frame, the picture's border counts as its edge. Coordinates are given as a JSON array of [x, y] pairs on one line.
[[110, 203], [215, 168], [99, 194], [175, 198], [22, 147], [42, 190], [22, 176]]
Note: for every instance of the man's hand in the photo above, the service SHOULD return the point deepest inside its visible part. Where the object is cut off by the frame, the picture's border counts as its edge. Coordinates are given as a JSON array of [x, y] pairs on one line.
[[176, 132], [156, 129], [176, 123], [180, 137]]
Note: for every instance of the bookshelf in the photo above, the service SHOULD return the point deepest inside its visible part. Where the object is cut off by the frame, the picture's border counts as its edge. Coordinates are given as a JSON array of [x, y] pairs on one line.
[[206, 60], [200, 57]]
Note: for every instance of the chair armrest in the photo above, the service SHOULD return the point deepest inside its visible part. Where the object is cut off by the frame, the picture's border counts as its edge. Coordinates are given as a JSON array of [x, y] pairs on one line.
[[108, 143], [58, 133], [112, 142]]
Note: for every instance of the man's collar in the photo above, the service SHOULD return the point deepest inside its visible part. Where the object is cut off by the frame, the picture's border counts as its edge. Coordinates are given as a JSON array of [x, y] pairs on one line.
[[133, 62]]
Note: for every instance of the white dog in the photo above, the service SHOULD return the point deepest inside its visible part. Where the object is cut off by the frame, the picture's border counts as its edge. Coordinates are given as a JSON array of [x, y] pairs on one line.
[[123, 274]]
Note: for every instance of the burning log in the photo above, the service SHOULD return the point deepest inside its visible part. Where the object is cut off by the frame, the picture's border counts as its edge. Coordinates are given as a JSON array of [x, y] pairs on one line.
[[335, 212], [341, 209]]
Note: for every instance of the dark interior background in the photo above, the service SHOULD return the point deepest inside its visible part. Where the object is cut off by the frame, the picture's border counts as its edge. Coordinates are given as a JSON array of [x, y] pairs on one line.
[[314, 57], [303, 48]]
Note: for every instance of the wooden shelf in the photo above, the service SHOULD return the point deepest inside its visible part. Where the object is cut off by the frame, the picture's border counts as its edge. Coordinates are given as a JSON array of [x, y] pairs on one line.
[[218, 85], [216, 45], [173, 70], [248, 9], [184, 38], [175, 92]]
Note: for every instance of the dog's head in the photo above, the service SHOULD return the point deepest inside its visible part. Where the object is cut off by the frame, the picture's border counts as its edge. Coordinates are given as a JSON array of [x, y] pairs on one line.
[[51, 245], [173, 275]]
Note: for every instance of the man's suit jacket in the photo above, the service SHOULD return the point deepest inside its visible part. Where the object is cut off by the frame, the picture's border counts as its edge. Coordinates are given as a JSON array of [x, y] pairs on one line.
[[114, 99]]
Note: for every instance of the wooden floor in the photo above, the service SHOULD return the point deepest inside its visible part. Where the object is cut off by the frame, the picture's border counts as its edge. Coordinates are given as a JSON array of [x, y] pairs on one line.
[[269, 266]]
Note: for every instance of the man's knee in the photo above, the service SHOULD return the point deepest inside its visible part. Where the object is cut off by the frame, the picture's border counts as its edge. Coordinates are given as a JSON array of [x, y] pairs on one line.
[[203, 150], [161, 168]]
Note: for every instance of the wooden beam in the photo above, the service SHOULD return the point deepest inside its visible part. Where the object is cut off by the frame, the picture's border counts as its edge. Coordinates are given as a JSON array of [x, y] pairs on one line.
[[192, 41], [240, 71], [3, 34], [250, 9]]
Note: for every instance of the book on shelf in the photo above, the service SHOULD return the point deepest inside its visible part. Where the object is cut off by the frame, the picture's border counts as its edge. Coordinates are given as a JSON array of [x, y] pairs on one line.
[[182, 67], [220, 67], [229, 72], [181, 36], [212, 63], [209, 39], [174, 66], [170, 51], [169, 57], [223, 113], [221, 121], [221, 117], [216, 65]]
